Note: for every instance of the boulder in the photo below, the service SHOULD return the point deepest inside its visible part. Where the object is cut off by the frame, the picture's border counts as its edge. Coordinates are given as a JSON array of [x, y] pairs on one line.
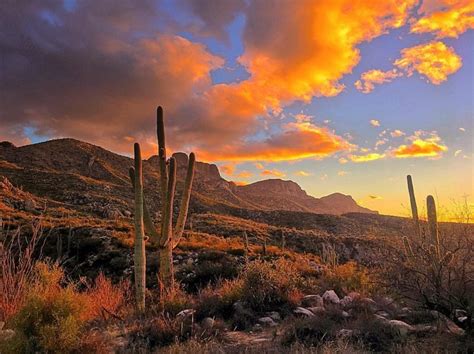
[[208, 323], [303, 311], [266, 322], [6, 334], [275, 316], [312, 301], [401, 328], [346, 301], [317, 310], [331, 297]]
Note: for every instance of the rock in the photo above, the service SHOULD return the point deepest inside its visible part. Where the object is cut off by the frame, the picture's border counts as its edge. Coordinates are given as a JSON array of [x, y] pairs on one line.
[[208, 323], [185, 313], [127, 213], [267, 322], [317, 310], [2, 324], [354, 295], [331, 297], [447, 325], [369, 303], [6, 334], [346, 301], [275, 316], [383, 314], [257, 328], [312, 301], [345, 333], [401, 328], [303, 311], [345, 314]]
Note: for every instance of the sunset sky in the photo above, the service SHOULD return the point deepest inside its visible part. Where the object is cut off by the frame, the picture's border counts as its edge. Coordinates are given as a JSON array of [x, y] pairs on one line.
[[339, 96]]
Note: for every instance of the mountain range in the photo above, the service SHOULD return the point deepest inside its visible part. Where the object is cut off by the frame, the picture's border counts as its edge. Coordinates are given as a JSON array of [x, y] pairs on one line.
[[59, 169]]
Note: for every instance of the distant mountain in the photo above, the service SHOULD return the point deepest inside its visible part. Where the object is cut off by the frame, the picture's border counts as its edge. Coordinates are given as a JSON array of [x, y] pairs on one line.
[[76, 172]]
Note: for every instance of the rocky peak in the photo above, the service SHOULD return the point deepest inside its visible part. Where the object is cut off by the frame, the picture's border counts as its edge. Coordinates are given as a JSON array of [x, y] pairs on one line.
[[7, 145], [276, 186]]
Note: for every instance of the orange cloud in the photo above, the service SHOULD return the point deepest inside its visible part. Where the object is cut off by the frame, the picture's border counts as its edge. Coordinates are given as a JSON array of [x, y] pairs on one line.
[[370, 78], [244, 174], [434, 60], [374, 123], [365, 158], [302, 173], [342, 173], [240, 183], [228, 169], [274, 173], [297, 141], [445, 18], [397, 133], [420, 148]]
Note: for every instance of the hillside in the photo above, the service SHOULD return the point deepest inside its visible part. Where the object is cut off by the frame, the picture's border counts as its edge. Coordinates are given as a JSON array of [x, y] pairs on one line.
[[65, 169]]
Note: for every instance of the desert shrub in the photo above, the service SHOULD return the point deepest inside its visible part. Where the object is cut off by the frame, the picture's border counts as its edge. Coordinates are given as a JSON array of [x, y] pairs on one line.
[[344, 278], [268, 286], [53, 315], [16, 268], [172, 302], [435, 276], [218, 300], [313, 331], [211, 267]]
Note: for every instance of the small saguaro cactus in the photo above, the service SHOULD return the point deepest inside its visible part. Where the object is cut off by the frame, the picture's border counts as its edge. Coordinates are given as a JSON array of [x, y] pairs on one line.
[[414, 209], [283, 240], [433, 224], [246, 244], [139, 251], [168, 237]]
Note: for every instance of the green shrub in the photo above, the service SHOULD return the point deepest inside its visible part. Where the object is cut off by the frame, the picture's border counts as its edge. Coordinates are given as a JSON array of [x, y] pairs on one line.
[[268, 286]]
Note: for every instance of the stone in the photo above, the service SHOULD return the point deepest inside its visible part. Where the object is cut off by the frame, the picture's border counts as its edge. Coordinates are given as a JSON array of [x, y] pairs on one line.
[[346, 301], [401, 328], [2, 324], [266, 322], [185, 313], [207, 323], [317, 310], [29, 205], [257, 328], [331, 297], [303, 311], [345, 314], [312, 301], [370, 304], [275, 316], [383, 314]]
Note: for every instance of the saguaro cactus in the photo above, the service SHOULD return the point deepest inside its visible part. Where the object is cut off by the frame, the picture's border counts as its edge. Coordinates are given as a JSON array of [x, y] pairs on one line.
[[139, 254], [414, 209], [433, 224], [168, 237]]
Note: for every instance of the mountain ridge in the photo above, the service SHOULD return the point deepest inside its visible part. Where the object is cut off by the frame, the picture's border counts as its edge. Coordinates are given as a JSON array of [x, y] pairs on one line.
[[79, 158]]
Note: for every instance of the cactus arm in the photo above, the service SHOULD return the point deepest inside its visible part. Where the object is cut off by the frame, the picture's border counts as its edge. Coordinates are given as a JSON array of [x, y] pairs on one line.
[[149, 227], [183, 211], [433, 223], [139, 247], [167, 232], [414, 208]]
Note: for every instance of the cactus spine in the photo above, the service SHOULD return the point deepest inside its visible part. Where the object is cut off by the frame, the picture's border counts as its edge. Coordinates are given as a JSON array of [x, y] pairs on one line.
[[414, 209], [168, 237], [139, 254]]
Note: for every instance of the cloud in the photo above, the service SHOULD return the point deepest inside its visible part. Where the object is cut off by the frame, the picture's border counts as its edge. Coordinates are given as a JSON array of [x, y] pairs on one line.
[[297, 141], [374, 123], [259, 166], [445, 18], [429, 147], [434, 60], [303, 173], [380, 142], [228, 169], [273, 173], [108, 64], [342, 173], [343, 160], [397, 133], [366, 158], [244, 174], [462, 129], [324, 177], [240, 183], [457, 152], [370, 78]]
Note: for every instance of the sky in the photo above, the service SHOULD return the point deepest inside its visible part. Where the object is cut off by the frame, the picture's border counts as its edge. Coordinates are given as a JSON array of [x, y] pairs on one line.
[[340, 96]]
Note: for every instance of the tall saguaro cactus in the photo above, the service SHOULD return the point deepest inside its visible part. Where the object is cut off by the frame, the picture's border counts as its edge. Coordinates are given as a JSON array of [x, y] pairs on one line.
[[414, 209], [139, 252], [168, 237]]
